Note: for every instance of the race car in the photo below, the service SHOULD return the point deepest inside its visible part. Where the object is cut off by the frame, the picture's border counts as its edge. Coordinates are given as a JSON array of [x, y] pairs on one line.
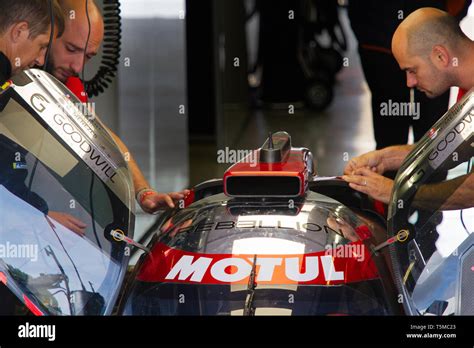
[[273, 238], [269, 243], [270, 237]]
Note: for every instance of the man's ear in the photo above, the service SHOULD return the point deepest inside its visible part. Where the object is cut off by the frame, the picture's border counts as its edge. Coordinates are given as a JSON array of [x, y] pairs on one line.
[[440, 56], [19, 31]]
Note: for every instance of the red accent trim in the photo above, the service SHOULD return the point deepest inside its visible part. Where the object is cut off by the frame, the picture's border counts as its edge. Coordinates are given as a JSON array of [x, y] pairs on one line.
[[189, 199], [380, 208], [376, 48], [76, 86], [391, 240], [3, 278], [32, 307], [363, 232], [461, 93]]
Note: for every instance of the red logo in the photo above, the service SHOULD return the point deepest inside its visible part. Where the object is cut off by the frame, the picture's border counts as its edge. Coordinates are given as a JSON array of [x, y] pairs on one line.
[[328, 267]]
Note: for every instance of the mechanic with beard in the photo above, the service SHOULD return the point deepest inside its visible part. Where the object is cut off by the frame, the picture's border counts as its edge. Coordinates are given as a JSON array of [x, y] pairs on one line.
[[374, 23], [67, 60], [425, 45]]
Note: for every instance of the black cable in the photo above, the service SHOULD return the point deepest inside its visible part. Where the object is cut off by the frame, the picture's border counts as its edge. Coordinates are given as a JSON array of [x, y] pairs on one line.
[[91, 205], [91, 189], [51, 36], [111, 50], [87, 41], [462, 210]]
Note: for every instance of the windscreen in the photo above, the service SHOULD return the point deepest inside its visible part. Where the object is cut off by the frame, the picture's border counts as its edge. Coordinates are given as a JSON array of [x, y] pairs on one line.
[[297, 300], [434, 202], [56, 216]]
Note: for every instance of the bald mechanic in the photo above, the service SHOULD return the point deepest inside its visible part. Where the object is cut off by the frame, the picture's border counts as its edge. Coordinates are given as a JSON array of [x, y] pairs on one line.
[[424, 45], [67, 60]]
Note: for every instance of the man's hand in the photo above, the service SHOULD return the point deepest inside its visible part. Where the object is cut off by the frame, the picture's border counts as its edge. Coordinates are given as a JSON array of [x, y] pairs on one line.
[[372, 160], [152, 201], [69, 222], [367, 181]]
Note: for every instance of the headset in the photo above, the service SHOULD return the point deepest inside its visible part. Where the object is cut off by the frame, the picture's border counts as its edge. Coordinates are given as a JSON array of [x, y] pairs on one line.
[[51, 36]]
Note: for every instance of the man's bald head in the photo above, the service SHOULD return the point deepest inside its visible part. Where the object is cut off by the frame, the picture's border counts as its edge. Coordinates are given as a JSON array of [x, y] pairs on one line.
[[77, 8], [428, 45], [426, 28], [69, 54]]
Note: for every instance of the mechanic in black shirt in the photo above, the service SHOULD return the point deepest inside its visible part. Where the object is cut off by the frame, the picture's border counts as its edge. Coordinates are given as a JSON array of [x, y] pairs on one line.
[[5, 68], [25, 28]]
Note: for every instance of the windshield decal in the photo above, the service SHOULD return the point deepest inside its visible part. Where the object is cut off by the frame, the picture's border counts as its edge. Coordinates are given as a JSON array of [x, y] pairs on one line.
[[448, 143], [54, 116]]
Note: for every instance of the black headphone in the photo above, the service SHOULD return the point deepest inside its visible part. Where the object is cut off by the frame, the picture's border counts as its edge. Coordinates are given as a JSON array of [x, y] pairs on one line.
[[51, 36]]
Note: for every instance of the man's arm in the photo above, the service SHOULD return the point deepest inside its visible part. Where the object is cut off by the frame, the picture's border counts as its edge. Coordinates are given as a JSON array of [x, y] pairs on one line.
[[150, 200], [139, 180], [452, 194]]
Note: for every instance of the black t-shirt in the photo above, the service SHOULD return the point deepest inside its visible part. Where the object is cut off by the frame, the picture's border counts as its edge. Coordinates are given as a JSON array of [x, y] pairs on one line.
[[5, 68]]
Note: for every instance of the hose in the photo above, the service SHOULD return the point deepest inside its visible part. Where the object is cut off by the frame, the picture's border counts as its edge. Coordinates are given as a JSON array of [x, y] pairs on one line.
[[111, 50]]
